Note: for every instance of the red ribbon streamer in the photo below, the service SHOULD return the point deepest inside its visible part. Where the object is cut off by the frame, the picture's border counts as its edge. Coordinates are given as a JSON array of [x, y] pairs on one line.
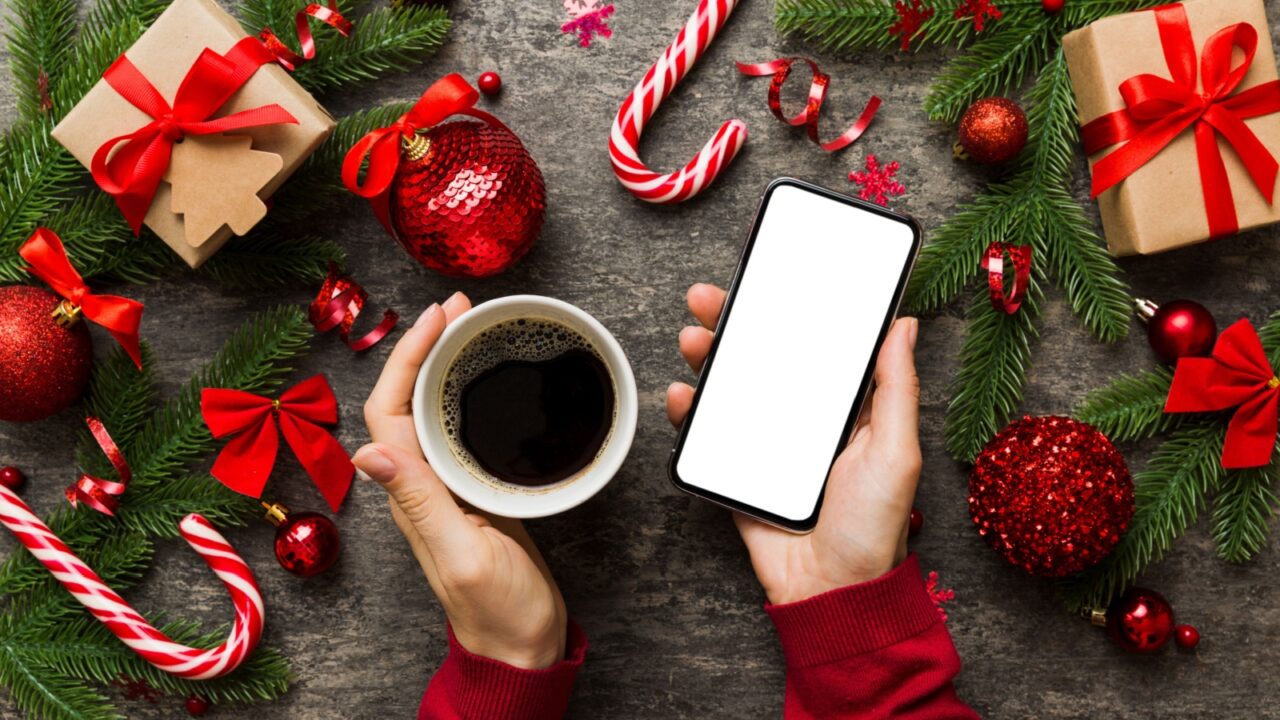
[[99, 493], [339, 303], [1157, 110], [1238, 375], [993, 263], [780, 69], [246, 462], [327, 14], [49, 262], [132, 172], [450, 95]]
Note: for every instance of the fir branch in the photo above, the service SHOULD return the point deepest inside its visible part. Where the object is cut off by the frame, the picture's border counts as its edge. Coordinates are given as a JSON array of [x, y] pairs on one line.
[[995, 64], [386, 40], [847, 25], [39, 40], [261, 260], [37, 177], [157, 510], [1131, 407], [1168, 496], [1242, 510], [1086, 271], [44, 693], [255, 15], [121, 396]]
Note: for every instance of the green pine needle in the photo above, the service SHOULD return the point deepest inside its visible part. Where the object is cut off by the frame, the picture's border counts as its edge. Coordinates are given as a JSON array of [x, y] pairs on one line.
[[39, 41], [1242, 511], [386, 40], [1131, 407], [993, 65]]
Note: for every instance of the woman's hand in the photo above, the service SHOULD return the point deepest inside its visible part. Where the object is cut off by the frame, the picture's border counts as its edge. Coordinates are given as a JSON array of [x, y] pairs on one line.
[[862, 528], [493, 583]]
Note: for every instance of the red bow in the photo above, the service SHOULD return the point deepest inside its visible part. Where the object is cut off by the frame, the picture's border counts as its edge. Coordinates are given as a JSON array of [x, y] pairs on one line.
[[49, 262], [1158, 110], [450, 95], [246, 462], [1238, 375], [132, 174]]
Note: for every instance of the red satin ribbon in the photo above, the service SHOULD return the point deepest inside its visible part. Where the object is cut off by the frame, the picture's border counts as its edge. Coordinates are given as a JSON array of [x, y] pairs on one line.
[[1238, 375], [49, 262], [99, 493], [132, 172], [450, 95], [993, 263], [327, 14], [1157, 110], [780, 69], [339, 303], [246, 462]]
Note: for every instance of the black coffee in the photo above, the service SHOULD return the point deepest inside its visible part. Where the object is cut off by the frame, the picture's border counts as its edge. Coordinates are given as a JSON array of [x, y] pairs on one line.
[[529, 402]]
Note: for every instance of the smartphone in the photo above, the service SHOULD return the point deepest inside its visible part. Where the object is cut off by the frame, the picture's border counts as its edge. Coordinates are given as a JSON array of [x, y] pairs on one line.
[[814, 295]]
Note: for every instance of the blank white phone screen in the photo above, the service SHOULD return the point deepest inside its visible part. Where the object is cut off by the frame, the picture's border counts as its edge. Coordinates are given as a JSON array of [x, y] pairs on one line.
[[793, 352]]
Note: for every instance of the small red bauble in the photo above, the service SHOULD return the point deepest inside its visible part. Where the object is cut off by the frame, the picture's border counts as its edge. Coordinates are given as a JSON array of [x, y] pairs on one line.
[[44, 365], [468, 199], [306, 543], [1051, 495], [1053, 7], [1178, 329], [916, 523], [1140, 621], [992, 131], [1186, 636], [490, 83], [197, 705], [12, 478]]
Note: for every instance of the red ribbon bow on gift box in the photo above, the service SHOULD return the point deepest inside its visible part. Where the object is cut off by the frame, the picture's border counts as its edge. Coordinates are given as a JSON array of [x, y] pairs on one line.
[[1158, 110], [49, 262], [246, 462], [1237, 376], [132, 172], [450, 95]]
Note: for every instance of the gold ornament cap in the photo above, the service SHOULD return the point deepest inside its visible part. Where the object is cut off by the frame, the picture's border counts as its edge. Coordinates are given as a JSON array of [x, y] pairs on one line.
[[66, 314], [416, 147], [276, 513]]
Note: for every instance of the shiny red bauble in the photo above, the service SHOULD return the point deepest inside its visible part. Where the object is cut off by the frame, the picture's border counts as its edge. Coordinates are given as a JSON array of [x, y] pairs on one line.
[[916, 523], [1140, 621], [12, 478], [306, 543], [1051, 495], [197, 705], [468, 199], [44, 365], [1186, 636], [1053, 7], [992, 131], [490, 83], [1178, 329]]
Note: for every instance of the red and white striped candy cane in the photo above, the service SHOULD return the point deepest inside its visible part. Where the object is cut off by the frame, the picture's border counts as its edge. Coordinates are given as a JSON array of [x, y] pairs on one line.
[[643, 102], [125, 622]]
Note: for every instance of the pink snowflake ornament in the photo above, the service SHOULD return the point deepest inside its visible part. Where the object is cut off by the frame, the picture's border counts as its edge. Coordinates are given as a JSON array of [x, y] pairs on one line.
[[587, 21], [910, 17], [877, 183], [980, 11]]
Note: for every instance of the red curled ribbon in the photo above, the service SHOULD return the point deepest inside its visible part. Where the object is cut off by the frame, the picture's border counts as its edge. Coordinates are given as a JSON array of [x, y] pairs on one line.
[[993, 263], [131, 173], [1158, 110], [450, 95], [1238, 375], [246, 462], [49, 262], [780, 69], [98, 493], [327, 14], [339, 303]]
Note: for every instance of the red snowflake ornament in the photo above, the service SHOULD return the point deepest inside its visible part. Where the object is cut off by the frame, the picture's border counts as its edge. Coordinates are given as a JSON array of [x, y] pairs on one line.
[[877, 183], [587, 21], [980, 11], [910, 17], [939, 595]]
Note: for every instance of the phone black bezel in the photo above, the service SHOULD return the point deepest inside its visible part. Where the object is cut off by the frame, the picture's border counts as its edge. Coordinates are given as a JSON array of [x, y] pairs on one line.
[[808, 523]]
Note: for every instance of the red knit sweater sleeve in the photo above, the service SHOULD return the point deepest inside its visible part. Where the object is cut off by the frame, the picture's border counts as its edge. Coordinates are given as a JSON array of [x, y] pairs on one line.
[[878, 649], [471, 687]]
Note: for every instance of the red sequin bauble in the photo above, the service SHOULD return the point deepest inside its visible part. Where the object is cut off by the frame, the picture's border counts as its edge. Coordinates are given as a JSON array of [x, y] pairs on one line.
[[1181, 328], [468, 199], [993, 130], [307, 544], [43, 367], [1140, 621], [1051, 495]]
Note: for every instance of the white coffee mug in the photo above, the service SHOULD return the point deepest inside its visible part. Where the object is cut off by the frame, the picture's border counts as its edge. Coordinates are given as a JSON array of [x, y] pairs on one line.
[[490, 494]]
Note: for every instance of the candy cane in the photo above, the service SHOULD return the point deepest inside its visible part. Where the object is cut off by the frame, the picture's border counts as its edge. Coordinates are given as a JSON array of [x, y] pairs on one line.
[[643, 102], [132, 629]]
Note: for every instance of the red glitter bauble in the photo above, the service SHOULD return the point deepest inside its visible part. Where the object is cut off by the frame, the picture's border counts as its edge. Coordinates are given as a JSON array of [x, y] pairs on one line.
[[1178, 329], [468, 199], [992, 131], [1140, 621], [197, 705], [1051, 495], [1186, 636], [12, 478], [490, 83], [44, 367], [307, 544]]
